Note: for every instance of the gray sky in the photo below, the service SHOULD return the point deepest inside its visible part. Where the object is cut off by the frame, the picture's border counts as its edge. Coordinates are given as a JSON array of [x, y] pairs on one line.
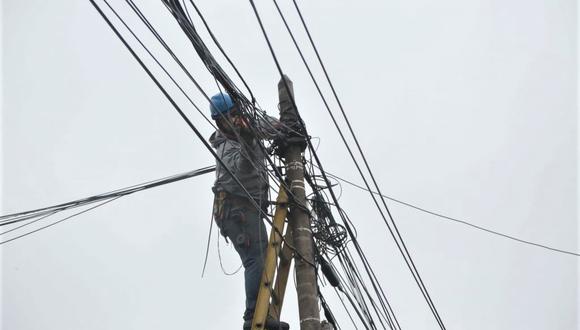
[[463, 107]]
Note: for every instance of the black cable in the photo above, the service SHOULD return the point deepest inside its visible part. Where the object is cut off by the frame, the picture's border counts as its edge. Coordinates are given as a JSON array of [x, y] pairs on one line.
[[404, 251], [192, 33], [345, 260], [430, 301], [350, 270], [219, 46], [327, 310], [42, 217], [168, 49], [358, 312], [145, 21], [348, 226], [345, 254], [284, 81], [202, 51], [106, 197], [188, 122], [207, 58], [59, 221], [443, 216], [173, 103], [7, 219], [274, 57], [207, 245], [141, 63], [220, 260], [345, 308], [359, 279], [317, 86], [376, 286], [374, 280], [161, 66]]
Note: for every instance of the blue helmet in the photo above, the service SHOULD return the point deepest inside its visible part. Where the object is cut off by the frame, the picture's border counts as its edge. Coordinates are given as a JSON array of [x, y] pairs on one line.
[[220, 104]]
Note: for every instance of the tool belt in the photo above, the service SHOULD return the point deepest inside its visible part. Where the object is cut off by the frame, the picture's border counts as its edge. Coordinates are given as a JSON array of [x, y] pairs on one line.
[[229, 207], [224, 202], [219, 206]]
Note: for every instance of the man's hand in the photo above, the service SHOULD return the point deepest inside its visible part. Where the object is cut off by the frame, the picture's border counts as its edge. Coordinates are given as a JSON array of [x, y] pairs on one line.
[[241, 124]]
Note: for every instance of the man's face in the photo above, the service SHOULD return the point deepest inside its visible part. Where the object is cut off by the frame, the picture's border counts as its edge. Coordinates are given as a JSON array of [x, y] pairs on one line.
[[236, 117]]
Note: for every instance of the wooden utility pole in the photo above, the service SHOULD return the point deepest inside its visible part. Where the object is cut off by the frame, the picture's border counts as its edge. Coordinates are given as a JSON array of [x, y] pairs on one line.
[[299, 218]]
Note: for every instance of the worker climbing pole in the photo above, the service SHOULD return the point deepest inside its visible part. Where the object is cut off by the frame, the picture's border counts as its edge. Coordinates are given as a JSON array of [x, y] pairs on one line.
[[241, 197]]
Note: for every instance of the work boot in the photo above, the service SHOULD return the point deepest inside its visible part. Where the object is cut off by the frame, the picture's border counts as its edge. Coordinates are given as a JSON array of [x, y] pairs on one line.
[[271, 324]]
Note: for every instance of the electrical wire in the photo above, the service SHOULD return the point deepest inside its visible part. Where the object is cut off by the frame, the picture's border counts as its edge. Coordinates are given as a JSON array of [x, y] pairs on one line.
[[221, 262], [219, 46], [395, 234], [165, 93], [196, 41], [59, 221], [398, 234], [161, 66], [185, 118], [20, 216], [41, 214], [356, 278], [464, 222], [207, 245], [419, 282]]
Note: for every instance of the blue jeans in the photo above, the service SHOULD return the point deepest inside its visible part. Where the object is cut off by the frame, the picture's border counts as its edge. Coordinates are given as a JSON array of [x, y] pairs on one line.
[[242, 224]]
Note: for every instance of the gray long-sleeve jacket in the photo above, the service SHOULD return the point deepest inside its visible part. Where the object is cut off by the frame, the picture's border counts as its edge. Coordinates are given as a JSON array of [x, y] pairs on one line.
[[245, 160]]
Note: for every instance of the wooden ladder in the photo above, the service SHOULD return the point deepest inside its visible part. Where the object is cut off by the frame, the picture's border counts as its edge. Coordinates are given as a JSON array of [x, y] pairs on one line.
[[276, 267]]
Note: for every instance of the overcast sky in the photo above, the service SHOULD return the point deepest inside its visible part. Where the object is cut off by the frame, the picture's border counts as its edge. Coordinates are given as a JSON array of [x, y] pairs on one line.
[[467, 108]]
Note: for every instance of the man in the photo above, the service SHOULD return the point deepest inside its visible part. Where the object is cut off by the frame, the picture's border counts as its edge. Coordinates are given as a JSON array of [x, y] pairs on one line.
[[234, 212]]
